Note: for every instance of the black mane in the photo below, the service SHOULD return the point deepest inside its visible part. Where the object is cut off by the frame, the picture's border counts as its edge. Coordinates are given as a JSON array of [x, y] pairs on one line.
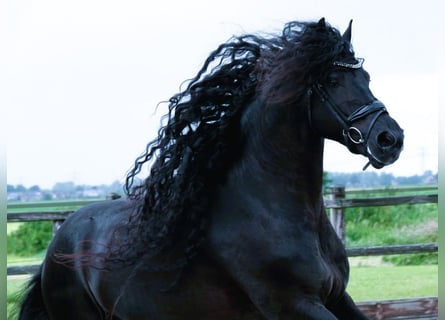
[[201, 138]]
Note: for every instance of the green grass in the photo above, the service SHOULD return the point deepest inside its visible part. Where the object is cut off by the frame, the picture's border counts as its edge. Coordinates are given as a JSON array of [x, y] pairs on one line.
[[14, 288], [12, 226], [391, 225], [393, 282]]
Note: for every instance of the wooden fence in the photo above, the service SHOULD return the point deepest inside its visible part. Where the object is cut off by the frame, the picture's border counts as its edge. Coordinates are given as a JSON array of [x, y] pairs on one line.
[[336, 203]]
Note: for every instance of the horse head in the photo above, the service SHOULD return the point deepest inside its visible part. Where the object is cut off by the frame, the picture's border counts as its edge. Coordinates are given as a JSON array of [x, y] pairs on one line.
[[343, 108]]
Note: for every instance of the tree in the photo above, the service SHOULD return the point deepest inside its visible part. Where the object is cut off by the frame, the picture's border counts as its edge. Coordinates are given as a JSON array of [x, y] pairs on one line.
[[64, 187], [35, 188], [20, 188], [326, 180]]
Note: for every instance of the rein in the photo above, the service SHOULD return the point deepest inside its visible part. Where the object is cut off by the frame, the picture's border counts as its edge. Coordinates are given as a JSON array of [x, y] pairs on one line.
[[350, 132]]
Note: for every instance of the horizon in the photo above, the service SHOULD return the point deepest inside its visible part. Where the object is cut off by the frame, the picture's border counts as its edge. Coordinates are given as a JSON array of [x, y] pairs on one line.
[[379, 174]]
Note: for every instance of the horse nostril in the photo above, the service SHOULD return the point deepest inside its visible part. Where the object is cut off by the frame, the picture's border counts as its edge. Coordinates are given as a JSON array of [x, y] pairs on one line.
[[386, 139]]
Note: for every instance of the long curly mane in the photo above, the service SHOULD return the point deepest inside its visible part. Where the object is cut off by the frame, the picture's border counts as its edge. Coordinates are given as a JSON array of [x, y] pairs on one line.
[[202, 137]]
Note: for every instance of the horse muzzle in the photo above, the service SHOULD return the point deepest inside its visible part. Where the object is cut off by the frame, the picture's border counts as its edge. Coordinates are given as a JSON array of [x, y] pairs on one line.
[[384, 146]]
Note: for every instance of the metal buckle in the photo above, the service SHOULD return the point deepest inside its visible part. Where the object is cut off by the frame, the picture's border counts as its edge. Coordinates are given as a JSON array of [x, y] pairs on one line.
[[354, 131]]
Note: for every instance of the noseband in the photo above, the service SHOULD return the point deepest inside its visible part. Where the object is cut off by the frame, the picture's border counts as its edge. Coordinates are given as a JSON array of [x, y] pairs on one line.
[[350, 133]]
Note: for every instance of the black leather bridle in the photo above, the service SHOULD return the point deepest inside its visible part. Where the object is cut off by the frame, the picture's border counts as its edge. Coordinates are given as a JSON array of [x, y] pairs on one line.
[[350, 132]]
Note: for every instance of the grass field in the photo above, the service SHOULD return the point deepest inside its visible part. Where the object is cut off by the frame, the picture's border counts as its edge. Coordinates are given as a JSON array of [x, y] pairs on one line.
[[393, 282]]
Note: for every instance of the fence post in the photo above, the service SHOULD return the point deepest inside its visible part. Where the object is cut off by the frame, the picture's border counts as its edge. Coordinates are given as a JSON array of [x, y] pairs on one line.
[[56, 225], [337, 215]]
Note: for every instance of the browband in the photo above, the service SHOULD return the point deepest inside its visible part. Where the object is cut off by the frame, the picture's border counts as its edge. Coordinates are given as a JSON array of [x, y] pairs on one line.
[[356, 65]]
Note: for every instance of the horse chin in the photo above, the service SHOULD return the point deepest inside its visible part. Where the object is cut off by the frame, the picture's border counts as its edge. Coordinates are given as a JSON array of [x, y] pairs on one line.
[[376, 164], [379, 160]]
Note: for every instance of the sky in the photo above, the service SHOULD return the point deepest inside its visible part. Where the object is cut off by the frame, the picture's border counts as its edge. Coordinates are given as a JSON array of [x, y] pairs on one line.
[[80, 80]]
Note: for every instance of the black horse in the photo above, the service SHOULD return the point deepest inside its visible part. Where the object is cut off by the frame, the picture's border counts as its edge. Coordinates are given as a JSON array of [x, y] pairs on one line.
[[230, 223]]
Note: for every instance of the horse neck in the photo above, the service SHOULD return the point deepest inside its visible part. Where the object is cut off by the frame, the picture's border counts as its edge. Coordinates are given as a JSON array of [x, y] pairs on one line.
[[288, 156]]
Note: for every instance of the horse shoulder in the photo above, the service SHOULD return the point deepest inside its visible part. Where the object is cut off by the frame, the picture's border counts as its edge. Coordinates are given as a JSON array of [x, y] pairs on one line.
[[276, 256]]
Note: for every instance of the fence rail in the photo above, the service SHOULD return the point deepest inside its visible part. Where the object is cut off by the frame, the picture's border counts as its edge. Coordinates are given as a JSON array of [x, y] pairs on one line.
[[380, 201], [425, 308], [336, 203], [38, 216]]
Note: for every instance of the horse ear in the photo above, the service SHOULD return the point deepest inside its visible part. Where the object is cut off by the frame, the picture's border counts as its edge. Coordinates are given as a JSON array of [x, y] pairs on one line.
[[347, 35], [322, 23]]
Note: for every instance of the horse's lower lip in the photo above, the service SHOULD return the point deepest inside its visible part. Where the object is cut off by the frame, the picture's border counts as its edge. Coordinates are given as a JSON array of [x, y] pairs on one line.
[[377, 165], [376, 162]]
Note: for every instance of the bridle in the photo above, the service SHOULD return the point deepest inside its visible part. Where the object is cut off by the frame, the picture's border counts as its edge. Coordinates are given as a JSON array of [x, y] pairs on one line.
[[351, 134]]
